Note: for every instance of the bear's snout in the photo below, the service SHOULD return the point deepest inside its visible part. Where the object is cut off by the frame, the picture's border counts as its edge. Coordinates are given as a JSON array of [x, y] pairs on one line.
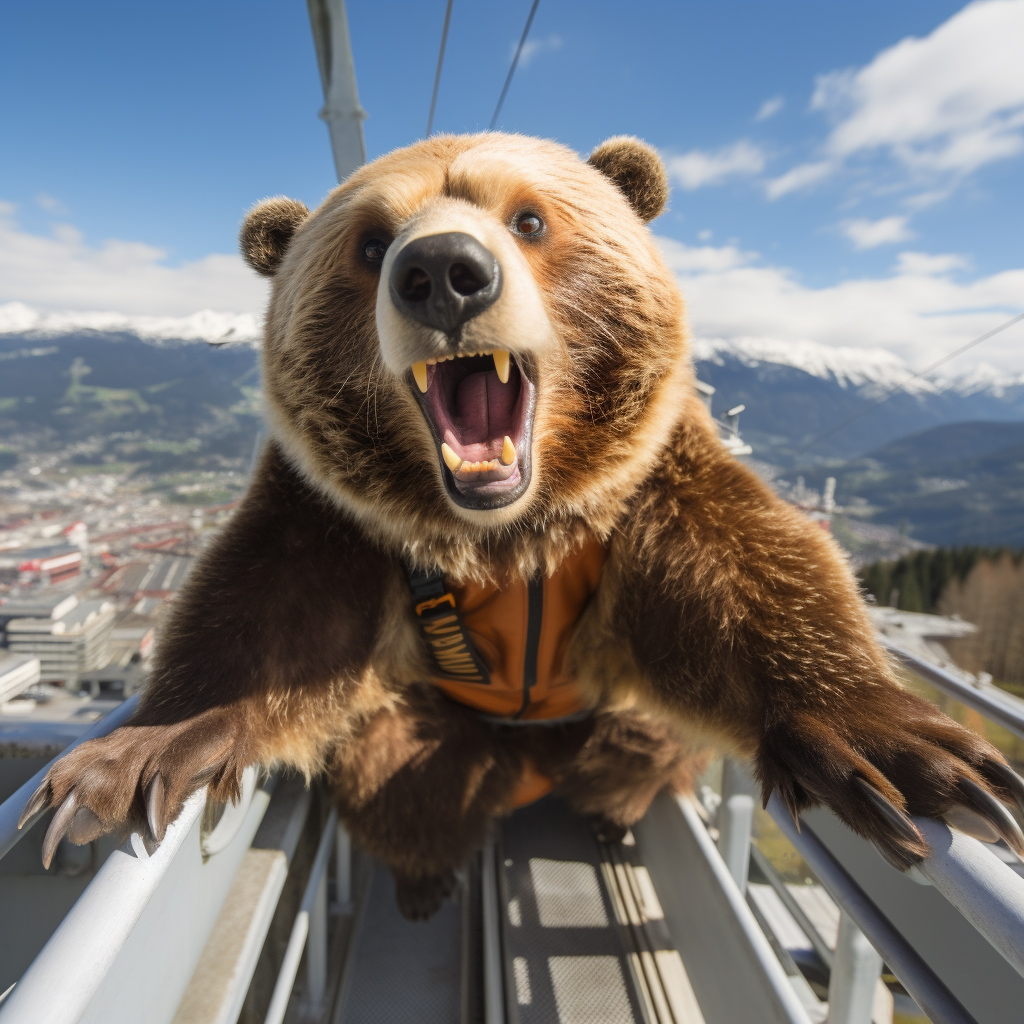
[[444, 280]]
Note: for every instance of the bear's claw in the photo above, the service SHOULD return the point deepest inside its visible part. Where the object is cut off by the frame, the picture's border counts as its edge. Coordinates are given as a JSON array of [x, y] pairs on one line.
[[894, 817], [61, 823], [136, 779], [156, 807], [37, 804], [1003, 775], [879, 772], [73, 820], [982, 802]]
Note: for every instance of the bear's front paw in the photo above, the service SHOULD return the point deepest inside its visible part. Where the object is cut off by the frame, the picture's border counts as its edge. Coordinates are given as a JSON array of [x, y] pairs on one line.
[[876, 767], [136, 779], [421, 898]]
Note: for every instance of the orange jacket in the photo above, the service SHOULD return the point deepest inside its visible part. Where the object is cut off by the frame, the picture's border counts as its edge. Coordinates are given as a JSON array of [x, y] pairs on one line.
[[520, 634]]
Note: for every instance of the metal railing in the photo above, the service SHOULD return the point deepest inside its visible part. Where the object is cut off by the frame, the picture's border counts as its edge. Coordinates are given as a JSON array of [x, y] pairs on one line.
[[995, 704], [309, 933], [90, 968], [99, 965], [929, 991], [979, 885], [11, 808], [711, 925]]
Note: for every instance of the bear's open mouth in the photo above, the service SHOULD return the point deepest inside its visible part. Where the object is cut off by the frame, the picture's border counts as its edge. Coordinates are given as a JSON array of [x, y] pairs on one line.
[[480, 409]]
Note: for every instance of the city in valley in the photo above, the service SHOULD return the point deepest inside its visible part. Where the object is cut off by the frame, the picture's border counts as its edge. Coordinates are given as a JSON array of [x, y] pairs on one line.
[[91, 552]]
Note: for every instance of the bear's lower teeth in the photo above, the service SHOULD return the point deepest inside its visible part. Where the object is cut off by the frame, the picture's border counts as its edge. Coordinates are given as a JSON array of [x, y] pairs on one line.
[[459, 465]]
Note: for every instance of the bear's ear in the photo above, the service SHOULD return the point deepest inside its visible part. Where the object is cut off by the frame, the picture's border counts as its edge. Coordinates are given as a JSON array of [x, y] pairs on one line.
[[266, 231], [637, 170]]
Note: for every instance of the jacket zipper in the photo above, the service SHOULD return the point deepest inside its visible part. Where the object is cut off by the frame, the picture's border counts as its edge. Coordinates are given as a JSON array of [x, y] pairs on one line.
[[534, 619]]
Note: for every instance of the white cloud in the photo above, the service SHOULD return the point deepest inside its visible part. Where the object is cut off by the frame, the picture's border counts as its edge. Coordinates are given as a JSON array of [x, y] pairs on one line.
[[769, 108], [940, 106], [532, 47], [918, 312], [923, 200], [699, 168], [49, 203], [799, 177], [867, 234], [702, 258], [926, 264], [61, 271]]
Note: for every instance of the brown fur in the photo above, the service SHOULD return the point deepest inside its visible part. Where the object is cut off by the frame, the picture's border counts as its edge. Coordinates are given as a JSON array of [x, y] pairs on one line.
[[267, 230], [638, 172], [722, 613]]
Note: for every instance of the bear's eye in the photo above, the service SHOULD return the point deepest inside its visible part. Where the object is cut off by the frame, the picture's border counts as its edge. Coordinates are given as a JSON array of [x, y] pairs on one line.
[[374, 250], [529, 224]]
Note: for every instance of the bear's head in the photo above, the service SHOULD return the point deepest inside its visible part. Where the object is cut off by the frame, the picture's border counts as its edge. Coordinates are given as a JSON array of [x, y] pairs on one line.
[[474, 339]]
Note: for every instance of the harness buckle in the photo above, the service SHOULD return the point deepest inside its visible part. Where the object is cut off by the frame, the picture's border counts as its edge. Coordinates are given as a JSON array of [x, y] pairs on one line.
[[433, 602]]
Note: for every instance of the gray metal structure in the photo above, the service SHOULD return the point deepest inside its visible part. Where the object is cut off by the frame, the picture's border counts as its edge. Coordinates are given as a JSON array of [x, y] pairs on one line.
[[552, 925], [341, 109], [995, 704]]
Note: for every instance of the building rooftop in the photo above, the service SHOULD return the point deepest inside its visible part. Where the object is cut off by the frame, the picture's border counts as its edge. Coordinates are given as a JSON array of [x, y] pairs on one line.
[[52, 603], [17, 673], [75, 620]]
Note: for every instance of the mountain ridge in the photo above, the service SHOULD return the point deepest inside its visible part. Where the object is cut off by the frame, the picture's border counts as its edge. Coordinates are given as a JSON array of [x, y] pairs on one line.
[[848, 367], [795, 394], [955, 484], [945, 460]]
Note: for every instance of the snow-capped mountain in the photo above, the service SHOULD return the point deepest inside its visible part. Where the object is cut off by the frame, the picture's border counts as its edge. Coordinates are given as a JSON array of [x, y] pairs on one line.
[[798, 394], [850, 367], [206, 325], [794, 392]]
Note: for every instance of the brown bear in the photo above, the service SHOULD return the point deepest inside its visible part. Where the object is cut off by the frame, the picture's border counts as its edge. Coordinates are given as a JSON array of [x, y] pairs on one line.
[[495, 545]]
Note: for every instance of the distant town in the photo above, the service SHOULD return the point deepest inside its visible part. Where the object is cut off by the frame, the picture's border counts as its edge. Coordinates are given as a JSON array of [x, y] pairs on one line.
[[90, 556]]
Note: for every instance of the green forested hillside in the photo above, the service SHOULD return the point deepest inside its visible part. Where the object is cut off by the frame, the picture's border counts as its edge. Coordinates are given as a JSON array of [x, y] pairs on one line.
[[917, 582], [957, 485], [159, 407]]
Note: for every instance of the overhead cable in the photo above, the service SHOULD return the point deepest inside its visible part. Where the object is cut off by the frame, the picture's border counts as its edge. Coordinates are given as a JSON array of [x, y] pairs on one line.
[[914, 376], [440, 63], [515, 61]]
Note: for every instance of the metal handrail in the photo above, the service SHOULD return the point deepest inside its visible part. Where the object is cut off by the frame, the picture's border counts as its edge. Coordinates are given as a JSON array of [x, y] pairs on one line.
[[987, 892], [314, 892], [11, 808], [1002, 708], [72, 971], [71, 967], [983, 889], [931, 994]]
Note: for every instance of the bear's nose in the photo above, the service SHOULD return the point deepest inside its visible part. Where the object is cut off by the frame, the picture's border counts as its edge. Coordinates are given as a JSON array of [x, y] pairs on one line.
[[444, 280]]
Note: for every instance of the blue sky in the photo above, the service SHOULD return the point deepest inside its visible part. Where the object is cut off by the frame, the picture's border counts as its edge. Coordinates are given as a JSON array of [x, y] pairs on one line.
[[825, 155]]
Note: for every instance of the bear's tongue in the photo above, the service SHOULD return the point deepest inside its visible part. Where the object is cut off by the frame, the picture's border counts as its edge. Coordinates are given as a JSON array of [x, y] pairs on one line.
[[481, 415]]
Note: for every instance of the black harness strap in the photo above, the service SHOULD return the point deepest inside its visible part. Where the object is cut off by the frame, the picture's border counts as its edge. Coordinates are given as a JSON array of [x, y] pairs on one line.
[[442, 627]]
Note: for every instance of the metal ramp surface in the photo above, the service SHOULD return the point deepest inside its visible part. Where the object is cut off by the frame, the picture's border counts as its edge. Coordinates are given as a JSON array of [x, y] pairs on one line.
[[550, 927], [565, 960], [401, 971]]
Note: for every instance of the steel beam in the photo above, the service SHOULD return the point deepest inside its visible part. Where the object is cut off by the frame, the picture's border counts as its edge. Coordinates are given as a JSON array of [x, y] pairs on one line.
[[341, 109]]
